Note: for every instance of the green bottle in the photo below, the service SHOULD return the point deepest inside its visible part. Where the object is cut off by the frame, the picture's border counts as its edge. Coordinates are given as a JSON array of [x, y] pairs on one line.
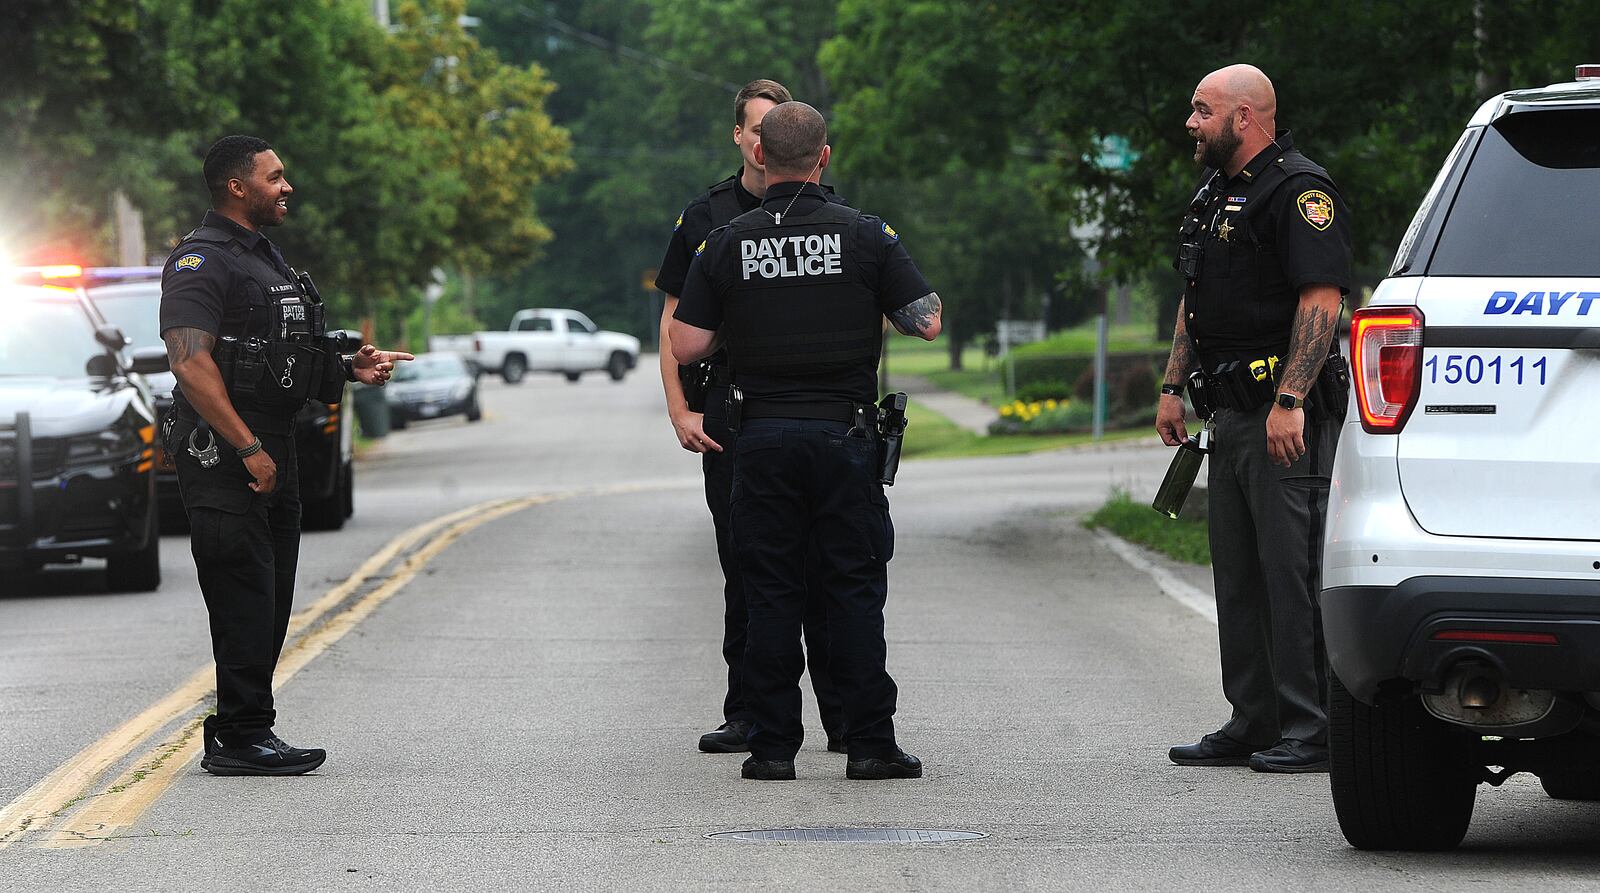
[[1181, 473]]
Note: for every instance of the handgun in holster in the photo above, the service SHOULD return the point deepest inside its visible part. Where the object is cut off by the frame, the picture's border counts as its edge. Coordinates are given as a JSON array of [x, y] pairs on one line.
[[735, 407], [891, 433], [696, 381]]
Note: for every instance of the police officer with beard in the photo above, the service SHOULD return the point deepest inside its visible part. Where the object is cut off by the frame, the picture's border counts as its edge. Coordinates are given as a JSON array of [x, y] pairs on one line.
[[246, 341], [797, 291], [702, 427], [1266, 258]]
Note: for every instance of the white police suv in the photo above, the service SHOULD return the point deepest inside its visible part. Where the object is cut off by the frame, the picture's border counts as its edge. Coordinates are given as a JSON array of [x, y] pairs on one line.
[[1461, 571]]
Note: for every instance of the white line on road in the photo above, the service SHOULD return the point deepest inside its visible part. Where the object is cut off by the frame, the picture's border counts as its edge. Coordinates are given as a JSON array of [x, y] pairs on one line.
[[1190, 597]]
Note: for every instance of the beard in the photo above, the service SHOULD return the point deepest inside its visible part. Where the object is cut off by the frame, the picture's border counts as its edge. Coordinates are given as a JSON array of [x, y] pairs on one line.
[[1218, 151], [264, 211]]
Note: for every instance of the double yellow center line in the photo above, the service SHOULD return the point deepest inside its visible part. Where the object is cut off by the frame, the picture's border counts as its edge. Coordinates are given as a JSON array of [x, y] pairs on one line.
[[68, 809]]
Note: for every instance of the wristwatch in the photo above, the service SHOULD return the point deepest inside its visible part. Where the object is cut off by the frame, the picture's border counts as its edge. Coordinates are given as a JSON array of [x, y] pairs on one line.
[[1290, 401], [349, 367], [1172, 390]]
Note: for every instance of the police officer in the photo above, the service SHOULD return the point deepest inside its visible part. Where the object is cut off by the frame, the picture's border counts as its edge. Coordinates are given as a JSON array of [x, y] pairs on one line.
[[703, 429], [797, 289], [245, 339], [1266, 262]]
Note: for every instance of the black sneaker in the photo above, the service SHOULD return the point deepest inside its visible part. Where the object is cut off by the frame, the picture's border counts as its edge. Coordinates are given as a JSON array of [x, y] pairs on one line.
[[901, 765], [273, 756], [209, 735], [767, 770], [728, 738]]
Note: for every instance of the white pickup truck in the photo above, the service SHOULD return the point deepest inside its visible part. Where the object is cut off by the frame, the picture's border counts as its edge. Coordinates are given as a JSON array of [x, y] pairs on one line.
[[545, 340]]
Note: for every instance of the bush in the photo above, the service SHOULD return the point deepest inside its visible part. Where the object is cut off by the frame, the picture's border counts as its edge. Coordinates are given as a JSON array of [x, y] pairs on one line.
[[1043, 417], [1045, 390]]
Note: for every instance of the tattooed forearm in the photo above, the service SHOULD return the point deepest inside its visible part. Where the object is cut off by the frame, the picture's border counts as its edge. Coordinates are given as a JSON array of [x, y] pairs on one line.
[[1314, 323], [183, 343], [1182, 361], [919, 317]]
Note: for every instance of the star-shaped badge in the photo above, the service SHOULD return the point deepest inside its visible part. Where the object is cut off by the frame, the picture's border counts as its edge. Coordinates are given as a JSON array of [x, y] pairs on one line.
[[1223, 230]]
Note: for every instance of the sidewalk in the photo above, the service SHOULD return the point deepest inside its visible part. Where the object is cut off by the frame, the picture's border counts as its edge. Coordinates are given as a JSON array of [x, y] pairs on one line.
[[973, 415]]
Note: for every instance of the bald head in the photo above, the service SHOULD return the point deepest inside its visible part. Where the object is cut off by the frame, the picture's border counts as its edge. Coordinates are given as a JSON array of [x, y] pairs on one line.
[[1235, 116], [793, 135], [1245, 85]]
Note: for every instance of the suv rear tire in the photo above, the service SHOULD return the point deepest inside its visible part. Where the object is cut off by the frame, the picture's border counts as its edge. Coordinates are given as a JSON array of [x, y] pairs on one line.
[[1571, 784], [1402, 780]]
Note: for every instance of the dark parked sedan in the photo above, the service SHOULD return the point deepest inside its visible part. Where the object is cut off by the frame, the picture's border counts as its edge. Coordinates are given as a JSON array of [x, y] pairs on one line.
[[432, 386]]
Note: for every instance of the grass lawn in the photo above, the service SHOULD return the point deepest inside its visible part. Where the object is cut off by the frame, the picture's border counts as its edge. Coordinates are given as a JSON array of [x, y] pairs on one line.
[[932, 436], [1136, 522], [982, 378]]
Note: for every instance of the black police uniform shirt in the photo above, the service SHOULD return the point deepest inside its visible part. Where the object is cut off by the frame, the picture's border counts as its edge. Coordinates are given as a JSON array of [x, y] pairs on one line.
[[1261, 247], [879, 263]]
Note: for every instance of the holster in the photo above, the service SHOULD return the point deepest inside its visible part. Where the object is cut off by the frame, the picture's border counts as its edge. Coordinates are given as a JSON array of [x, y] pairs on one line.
[[1330, 396]]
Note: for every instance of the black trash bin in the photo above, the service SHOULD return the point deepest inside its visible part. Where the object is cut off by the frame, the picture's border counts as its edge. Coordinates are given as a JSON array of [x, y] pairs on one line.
[[372, 410]]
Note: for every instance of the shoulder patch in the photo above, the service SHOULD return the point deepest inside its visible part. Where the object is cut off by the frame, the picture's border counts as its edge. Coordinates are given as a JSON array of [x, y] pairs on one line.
[[189, 262], [701, 248], [679, 224], [1317, 208], [889, 231]]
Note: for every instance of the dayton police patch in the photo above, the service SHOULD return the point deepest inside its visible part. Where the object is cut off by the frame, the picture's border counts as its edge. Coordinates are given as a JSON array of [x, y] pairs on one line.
[[1317, 208], [189, 262], [889, 231]]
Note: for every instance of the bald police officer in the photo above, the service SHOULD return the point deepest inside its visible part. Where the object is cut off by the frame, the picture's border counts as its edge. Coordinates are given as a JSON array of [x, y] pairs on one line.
[[797, 291], [1267, 261], [703, 428]]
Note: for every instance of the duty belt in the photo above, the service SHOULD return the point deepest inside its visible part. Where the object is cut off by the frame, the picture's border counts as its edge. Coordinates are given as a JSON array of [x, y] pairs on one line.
[[835, 411]]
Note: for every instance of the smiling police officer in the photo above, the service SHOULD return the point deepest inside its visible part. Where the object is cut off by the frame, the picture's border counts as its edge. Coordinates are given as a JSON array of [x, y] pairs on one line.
[[1266, 259], [798, 290], [702, 427], [245, 339]]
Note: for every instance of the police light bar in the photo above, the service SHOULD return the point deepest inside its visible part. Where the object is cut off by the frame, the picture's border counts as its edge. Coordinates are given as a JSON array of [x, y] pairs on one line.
[[50, 273], [1589, 71]]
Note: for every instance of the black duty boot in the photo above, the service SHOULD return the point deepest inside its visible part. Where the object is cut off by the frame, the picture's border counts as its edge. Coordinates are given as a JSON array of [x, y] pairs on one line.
[[728, 738], [900, 765], [273, 756], [767, 770], [1291, 755], [1215, 749]]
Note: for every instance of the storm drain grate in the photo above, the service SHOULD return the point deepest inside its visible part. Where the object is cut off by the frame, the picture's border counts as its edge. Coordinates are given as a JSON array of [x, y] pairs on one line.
[[848, 835]]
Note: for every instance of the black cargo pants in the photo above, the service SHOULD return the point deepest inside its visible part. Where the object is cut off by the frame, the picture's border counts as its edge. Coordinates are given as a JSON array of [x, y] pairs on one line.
[[718, 468], [246, 548], [803, 488]]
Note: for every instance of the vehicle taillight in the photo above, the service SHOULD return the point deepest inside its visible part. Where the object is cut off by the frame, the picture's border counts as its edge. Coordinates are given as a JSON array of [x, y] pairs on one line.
[[1386, 346]]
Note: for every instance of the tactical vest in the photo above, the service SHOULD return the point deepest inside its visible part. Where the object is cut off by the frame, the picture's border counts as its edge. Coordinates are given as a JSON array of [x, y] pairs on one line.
[[724, 201], [1243, 301], [277, 358], [799, 305]]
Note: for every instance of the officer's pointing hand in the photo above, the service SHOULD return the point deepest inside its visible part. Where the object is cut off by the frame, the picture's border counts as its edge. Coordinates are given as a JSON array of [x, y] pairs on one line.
[[264, 470], [373, 366]]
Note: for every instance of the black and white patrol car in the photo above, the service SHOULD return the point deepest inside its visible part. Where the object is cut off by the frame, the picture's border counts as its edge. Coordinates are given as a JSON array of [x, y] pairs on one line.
[[77, 431], [1461, 574]]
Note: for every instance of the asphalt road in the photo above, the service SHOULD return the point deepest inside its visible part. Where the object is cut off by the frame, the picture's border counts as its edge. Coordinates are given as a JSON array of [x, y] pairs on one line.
[[522, 713]]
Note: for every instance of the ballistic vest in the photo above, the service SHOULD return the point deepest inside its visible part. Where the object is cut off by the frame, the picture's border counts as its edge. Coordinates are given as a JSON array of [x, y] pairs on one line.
[[800, 318], [1243, 305], [277, 357]]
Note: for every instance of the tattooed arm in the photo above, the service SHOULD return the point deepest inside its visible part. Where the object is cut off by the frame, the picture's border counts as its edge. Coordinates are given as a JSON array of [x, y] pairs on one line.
[[1314, 323], [1170, 411], [1182, 360], [920, 318], [189, 354], [1308, 346]]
